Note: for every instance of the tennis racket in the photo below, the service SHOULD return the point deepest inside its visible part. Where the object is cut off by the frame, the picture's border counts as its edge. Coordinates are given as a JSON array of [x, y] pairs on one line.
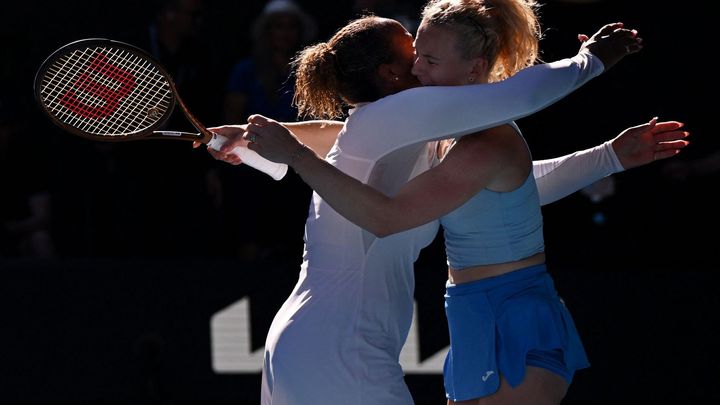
[[108, 90]]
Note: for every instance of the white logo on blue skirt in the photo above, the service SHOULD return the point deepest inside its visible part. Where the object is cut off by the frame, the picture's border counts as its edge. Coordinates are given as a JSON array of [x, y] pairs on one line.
[[487, 375]]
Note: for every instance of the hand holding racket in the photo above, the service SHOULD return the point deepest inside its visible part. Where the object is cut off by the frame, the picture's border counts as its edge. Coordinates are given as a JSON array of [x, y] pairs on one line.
[[107, 90]]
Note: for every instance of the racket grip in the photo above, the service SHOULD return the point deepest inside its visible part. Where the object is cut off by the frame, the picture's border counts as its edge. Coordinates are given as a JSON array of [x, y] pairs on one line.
[[251, 158]]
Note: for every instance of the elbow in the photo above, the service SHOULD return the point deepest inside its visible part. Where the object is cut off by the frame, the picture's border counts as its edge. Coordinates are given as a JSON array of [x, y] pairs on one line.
[[383, 219], [379, 229], [381, 233], [383, 227]]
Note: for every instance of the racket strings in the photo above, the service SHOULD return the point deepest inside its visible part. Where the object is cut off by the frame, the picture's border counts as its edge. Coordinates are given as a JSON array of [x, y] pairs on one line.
[[106, 91], [84, 98], [154, 93]]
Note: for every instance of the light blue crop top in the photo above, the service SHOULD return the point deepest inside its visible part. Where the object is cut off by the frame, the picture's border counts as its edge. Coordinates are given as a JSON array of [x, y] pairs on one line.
[[494, 227]]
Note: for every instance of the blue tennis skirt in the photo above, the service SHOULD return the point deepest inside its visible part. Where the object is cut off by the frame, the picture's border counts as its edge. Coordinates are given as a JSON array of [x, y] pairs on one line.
[[502, 324]]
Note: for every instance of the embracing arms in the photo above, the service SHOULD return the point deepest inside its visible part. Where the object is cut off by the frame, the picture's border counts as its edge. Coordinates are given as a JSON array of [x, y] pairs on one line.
[[467, 168], [429, 113], [345, 193]]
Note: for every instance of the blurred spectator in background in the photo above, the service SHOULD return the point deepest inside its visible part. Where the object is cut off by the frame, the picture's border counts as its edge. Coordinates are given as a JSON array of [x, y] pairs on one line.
[[25, 201], [262, 83], [163, 193], [175, 37]]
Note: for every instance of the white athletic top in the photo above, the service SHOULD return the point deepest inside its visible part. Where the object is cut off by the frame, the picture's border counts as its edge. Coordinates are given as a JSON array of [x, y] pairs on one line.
[[556, 178], [337, 338]]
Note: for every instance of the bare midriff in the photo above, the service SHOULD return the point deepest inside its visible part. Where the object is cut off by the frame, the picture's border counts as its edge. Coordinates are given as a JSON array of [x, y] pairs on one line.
[[475, 273]]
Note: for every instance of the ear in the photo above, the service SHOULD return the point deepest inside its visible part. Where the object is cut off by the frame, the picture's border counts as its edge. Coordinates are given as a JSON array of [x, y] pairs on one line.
[[480, 69], [388, 73]]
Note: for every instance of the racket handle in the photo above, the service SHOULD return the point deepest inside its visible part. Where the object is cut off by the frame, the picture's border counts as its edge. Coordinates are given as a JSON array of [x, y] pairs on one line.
[[251, 158]]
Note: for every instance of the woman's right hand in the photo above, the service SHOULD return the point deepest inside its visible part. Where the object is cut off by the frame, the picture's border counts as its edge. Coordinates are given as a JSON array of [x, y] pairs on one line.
[[611, 43]]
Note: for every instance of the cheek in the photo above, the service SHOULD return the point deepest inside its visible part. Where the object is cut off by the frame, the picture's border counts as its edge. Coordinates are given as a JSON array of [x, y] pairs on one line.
[[437, 77], [428, 80], [447, 77]]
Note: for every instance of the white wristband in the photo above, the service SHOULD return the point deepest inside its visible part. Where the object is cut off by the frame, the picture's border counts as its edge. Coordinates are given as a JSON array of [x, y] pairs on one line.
[[251, 158]]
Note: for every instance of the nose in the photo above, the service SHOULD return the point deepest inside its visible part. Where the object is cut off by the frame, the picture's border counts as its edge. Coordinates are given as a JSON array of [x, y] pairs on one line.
[[417, 66]]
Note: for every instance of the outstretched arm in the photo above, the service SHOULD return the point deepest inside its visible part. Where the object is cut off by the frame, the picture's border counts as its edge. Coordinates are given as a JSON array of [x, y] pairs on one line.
[[318, 135], [636, 146]]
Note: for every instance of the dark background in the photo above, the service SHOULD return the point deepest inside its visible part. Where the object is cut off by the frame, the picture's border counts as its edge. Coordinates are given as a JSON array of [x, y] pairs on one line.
[[121, 312]]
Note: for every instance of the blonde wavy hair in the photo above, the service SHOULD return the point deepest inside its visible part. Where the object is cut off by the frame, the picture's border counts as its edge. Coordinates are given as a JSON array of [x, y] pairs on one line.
[[504, 32]]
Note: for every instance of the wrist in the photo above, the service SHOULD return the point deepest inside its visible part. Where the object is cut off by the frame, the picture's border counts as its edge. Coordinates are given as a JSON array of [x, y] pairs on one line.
[[616, 159], [298, 155]]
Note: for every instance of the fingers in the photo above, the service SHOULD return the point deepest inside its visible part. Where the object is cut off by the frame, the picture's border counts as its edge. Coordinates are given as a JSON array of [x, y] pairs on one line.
[[672, 145], [669, 141], [258, 119], [609, 28], [232, 134], [612, 43], [648, 126], [253, 131], [667, 126], [668, 136], [225, 157], [259, 125], [251, 134], [255, 125], [582, 38], [634, 46], [668, 131], [628, 38], [653, 123], [666, 149], [665, 154], [624, 32], [227, 130]]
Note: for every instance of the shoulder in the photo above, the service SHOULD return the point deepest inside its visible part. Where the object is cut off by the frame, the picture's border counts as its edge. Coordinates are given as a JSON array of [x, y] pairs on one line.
[[489, 141], [489, 153]]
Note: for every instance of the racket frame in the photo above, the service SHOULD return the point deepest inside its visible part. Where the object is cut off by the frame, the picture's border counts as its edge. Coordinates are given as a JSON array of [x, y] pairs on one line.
[[151, 131]]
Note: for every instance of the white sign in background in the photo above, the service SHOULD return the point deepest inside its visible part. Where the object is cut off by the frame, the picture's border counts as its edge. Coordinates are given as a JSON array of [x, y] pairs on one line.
[[231, 350]]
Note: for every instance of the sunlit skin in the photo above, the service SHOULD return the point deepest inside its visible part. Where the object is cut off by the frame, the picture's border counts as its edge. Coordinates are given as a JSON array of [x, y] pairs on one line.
[[400, 71], [439, 63]]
